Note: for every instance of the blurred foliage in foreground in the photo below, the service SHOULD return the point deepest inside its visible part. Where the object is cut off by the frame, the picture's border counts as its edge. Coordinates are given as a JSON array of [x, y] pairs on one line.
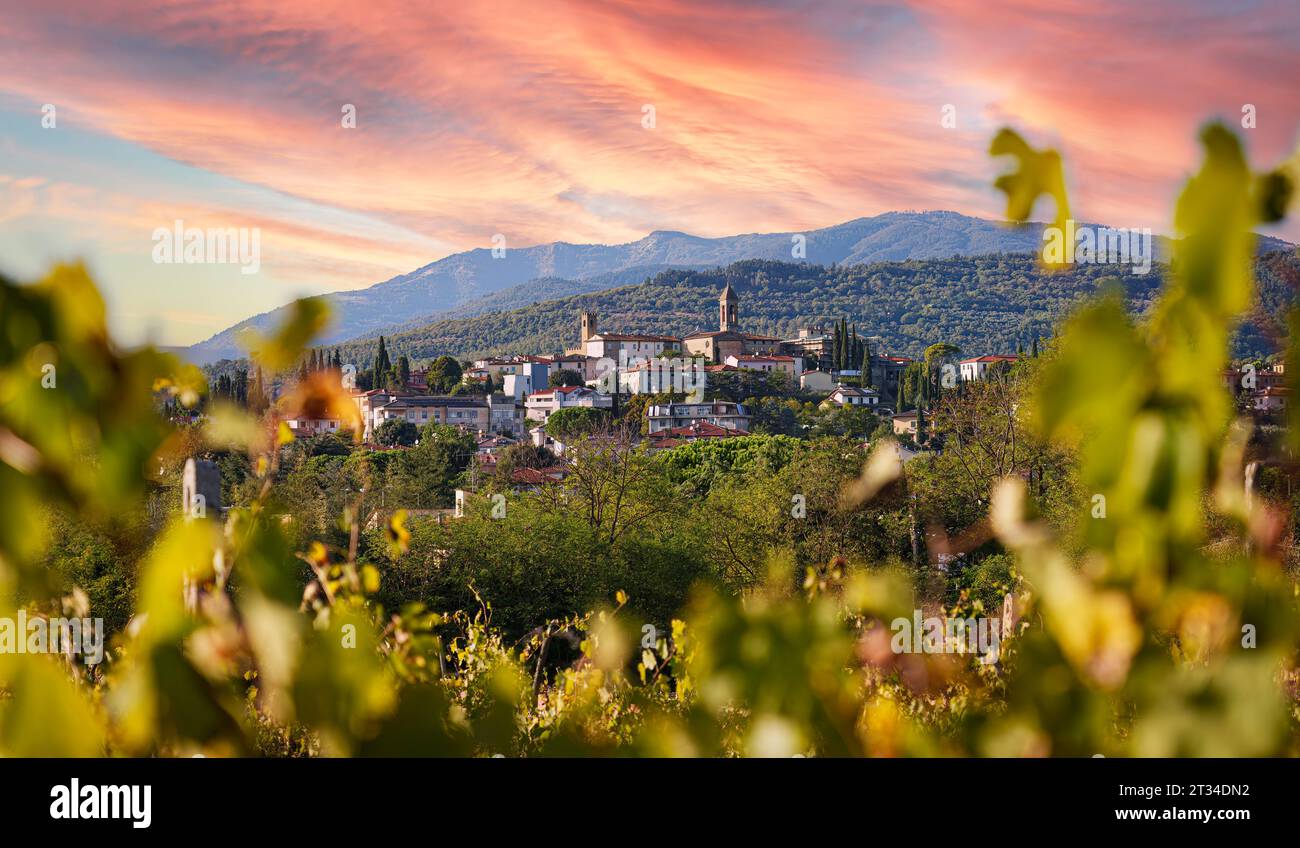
[[1131, 639]]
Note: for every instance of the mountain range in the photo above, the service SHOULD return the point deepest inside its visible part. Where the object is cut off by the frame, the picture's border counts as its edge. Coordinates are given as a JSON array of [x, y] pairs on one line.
[[992, 303], [475, 281]]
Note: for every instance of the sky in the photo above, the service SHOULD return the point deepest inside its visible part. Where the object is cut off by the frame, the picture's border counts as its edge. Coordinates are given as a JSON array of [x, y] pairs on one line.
[[529, 119]]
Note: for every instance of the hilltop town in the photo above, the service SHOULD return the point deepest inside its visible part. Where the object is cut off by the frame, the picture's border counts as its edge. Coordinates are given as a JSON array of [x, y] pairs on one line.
[[705, 385], [666, 390]]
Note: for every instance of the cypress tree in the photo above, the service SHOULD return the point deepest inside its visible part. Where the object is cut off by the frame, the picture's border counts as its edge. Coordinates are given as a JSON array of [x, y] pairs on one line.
[[846, 356], [382, 365]]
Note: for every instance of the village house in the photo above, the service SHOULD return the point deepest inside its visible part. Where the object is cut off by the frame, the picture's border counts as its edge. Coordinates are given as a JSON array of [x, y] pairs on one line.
[[489, 445], [1237, 380], [533, 479], [906, 423], [815, 345], [816, 381], [655, 376], [596, 345], [887, 371], [588, 367], [312, 426], [977, 366], [467, 412], [791, 366], [499, 367], [539, 405], [671, 438], [720, 413], [844, 395], [1272, 399], [505, 415], [541, 439], [366, 403]]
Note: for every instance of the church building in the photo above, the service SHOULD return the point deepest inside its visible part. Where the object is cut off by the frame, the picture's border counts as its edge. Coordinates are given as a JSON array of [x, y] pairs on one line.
[[728, 340]]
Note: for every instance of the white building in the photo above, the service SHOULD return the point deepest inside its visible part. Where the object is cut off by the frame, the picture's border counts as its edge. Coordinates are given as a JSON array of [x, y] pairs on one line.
[[1272, 399], [977, 366], [657, 376], [720, 413], [540, 405], [788, 365], [816, 381], [853, 396], [312, 426], [466, 411]]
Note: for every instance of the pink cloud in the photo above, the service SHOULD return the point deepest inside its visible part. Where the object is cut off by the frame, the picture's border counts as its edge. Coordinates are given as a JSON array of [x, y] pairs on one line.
[[525, 118]]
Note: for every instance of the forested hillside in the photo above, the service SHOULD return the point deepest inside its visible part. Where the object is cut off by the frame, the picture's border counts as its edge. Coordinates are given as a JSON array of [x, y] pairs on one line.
[[982, 304]]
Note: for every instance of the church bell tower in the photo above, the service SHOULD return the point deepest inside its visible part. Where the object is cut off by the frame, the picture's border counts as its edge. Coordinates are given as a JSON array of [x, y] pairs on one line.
[[728, 310]]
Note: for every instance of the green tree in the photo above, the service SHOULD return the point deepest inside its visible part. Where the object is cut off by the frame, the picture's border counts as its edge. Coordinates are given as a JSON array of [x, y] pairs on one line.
[[575, 422], [396, 431], [444, 374], [564, 377]]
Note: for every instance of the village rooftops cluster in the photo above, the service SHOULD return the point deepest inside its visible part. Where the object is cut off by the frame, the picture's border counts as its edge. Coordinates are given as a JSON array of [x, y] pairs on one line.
[[524, 400]]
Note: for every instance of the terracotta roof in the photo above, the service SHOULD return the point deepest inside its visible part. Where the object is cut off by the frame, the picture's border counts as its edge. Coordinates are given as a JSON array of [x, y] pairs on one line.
[[535, 476], [698, 430], [632, 337], [998, 357], [704, 334]]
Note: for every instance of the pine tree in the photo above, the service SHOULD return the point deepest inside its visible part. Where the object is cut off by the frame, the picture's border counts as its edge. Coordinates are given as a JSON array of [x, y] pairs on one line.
[[1035, 351], [866, 364], [404, 371]]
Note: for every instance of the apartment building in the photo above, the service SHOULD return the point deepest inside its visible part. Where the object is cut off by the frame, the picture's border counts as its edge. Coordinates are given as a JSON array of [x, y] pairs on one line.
[[720, 413], [540, 405], [468, 412]]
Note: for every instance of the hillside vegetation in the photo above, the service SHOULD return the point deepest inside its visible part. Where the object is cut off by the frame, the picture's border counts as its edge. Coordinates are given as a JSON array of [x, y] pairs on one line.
[[982, 304]]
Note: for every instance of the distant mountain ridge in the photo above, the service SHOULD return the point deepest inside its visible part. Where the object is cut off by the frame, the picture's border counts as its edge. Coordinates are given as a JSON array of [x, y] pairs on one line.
[[984, 304], [460, 281], [474, 282]]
